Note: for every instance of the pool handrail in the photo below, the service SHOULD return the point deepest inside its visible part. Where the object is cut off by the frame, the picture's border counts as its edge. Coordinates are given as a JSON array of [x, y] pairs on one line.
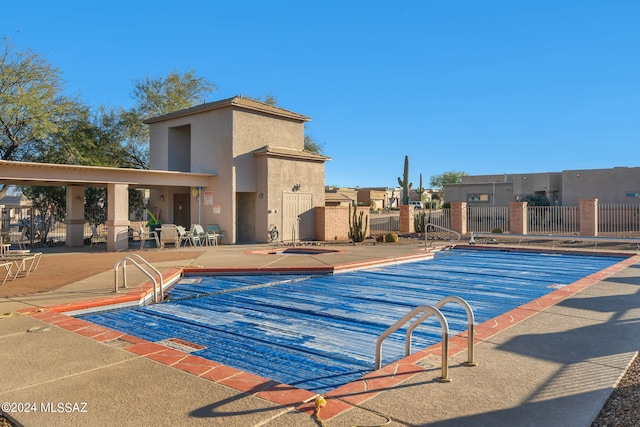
[[428, 312], [426, 232], [470, 326], [124, 260]]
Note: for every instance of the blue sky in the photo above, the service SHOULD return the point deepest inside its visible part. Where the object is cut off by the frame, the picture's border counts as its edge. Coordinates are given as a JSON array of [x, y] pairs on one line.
[[477, 86]]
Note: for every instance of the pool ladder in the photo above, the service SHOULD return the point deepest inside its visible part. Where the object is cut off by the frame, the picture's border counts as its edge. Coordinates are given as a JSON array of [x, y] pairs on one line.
[[158, 288], [429, 311]]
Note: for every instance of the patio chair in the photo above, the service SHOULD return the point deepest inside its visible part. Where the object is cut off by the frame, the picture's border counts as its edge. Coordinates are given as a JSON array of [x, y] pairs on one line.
[[185, 235], [9, 273], [212, 236], [147, 234], [25, 263], [169, 235], [214, 230], [97, 237], [198, 236], [18, 237]]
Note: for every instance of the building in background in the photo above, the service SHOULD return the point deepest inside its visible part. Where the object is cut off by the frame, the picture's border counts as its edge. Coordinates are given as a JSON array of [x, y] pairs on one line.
[[566, 188]]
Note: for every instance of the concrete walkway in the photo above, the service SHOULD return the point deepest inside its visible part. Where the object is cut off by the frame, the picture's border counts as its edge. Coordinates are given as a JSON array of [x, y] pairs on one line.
[[552, 362]]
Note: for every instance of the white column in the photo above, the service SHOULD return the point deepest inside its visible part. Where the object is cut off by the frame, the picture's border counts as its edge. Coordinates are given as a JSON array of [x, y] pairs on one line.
[[117, 217], [75, 216]]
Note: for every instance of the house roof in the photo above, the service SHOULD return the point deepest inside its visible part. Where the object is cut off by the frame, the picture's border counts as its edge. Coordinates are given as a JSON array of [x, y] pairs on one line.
[[289, 153], [235, 102], [336, 197], [14, 201]]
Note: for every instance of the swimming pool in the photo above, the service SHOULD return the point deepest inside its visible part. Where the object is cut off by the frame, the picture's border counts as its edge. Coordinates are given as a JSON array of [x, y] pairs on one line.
[[317, 332]]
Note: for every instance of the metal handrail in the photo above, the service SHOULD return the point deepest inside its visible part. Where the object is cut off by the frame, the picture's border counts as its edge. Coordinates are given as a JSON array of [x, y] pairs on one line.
[[470, 323], [124, 260], [429, 311], [427, 225]]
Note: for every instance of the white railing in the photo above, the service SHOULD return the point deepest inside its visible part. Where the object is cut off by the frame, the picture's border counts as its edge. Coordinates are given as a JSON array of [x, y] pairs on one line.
[[487, 219], [553, 220], [618, 219]]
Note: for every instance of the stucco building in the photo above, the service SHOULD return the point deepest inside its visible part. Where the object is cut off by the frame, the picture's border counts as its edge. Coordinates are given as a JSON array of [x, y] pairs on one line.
[[260, 173], [566, 188]]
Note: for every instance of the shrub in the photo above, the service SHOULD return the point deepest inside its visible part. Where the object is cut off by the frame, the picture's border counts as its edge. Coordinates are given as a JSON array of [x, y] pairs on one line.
[[497, 230], [536, 200], [391, 238]]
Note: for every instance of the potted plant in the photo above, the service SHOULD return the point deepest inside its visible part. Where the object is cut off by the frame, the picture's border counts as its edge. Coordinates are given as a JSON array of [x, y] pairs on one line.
[[153, 223]]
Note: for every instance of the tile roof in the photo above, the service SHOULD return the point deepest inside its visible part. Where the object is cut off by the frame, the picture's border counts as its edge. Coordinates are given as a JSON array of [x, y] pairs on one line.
[[272, 151], [236, 101]]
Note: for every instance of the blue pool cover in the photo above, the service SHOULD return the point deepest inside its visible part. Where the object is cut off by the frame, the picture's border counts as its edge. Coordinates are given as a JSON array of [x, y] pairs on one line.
[[320, 332]]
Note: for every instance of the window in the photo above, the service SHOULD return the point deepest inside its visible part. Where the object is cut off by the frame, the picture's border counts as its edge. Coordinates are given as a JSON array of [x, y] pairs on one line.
[[478, 198]]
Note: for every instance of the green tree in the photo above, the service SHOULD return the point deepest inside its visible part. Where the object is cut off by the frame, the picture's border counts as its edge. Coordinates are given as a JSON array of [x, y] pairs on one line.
[[46, 201], [32, 105], [450, 177], [87, 138], [311, 145]]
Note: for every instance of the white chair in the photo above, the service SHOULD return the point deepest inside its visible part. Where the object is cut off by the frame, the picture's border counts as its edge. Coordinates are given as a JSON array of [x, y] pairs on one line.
[[198, 236], [25, 262], [185, 236], [18, 237], [8, 273], [147, 234]]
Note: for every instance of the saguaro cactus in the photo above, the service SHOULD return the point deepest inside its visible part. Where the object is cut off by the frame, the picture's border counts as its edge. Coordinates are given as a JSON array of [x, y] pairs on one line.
[[420, 189], [404, 182]]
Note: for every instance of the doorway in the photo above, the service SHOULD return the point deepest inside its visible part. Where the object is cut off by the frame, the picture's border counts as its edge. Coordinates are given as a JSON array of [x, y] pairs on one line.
[[246, 217], [297, 216], [181, 210]]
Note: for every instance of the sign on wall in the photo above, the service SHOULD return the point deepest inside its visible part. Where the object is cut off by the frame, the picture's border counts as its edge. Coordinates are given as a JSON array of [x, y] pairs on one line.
[[208, 198]]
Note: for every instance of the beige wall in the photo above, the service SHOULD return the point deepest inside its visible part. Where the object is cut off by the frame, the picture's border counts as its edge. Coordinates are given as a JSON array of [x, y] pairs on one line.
[[252, 131], [606, 185], [366, 196], [210, 148], [228, 139], [282, 177]]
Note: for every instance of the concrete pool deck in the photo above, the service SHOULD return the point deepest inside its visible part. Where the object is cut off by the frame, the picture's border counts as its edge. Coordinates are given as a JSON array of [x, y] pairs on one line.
[[551, 362]]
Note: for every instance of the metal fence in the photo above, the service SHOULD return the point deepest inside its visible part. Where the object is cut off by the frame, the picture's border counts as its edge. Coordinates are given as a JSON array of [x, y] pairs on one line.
[[560, 220], [618, 219], [613, 219], [439, 217], [50, 228], [487, 219], [380, 223]]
